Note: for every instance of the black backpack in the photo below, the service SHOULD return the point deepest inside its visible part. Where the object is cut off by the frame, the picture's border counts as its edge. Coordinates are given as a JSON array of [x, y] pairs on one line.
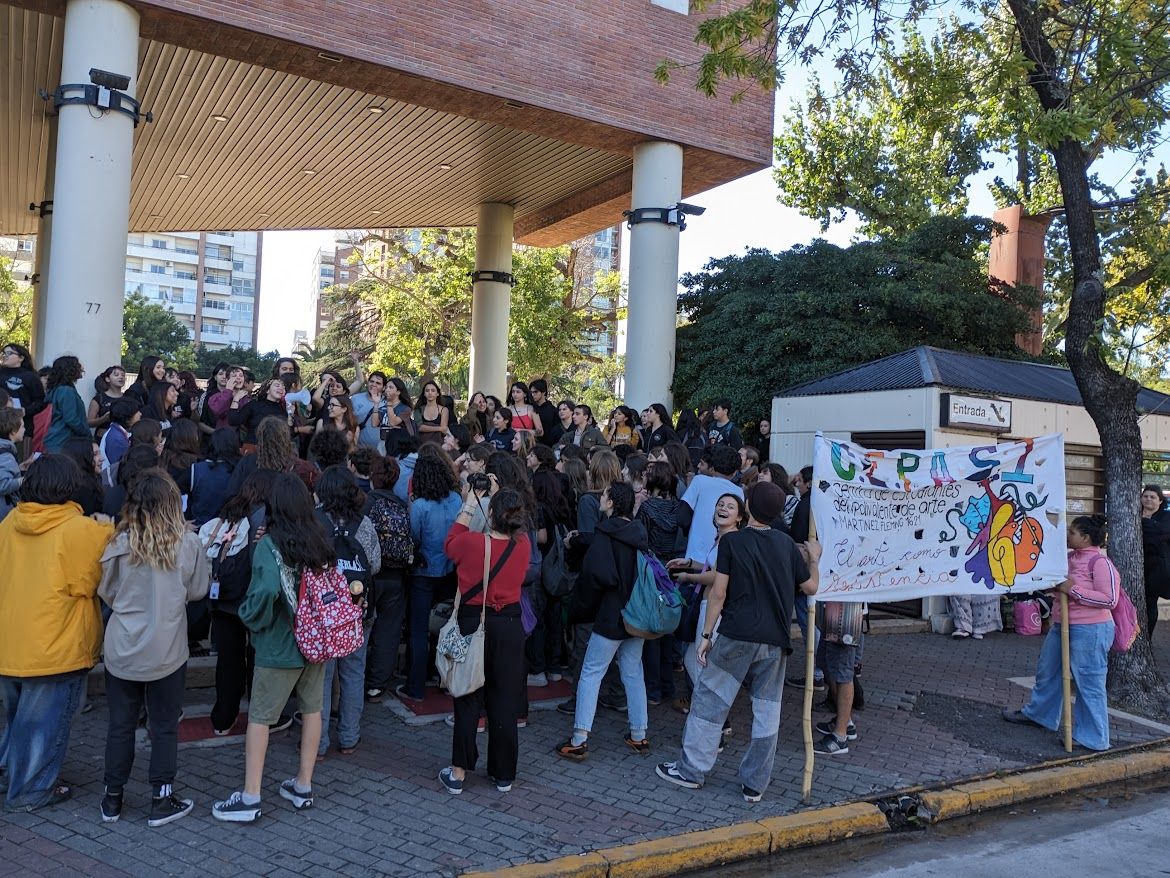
[[234, 572], [352, 560]]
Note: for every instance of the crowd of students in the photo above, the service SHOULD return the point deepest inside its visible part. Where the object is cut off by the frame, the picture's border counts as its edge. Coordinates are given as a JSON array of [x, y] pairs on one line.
[[192, 514]]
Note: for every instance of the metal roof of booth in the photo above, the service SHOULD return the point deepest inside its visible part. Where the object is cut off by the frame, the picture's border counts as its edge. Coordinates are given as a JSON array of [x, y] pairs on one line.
[[935, 367]]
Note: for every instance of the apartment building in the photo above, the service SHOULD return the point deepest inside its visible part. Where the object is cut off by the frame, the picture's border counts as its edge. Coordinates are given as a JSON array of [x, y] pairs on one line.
[[209, 280], [331, 266]]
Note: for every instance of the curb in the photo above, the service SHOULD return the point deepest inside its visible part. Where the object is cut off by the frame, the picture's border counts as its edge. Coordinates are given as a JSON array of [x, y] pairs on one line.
[[770, 835]]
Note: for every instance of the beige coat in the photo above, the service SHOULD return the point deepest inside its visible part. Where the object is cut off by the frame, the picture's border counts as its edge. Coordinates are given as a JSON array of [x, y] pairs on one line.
[[146, 637]]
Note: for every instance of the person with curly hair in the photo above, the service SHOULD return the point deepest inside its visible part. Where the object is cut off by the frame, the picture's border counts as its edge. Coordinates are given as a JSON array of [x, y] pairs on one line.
[[434, 504], [69, 417], [151, 570], [274, 451]]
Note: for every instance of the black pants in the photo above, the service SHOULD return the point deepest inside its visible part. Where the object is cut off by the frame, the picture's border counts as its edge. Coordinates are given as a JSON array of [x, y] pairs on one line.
[[503, 694], [233, 667], [658, 666], [1151, 607], [386, 635], [164, 703]]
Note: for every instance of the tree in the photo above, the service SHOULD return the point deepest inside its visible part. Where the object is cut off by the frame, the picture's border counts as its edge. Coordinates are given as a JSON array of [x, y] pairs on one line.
[[204, 359], [816, 309], [15, 307], [1095, 77], [410, 312], [150, 329]]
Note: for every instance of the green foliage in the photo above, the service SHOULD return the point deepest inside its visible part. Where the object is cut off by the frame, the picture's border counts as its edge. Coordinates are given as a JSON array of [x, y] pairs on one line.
[[763, 321], [204, 359], [150, 329], [15, 307], [410, 312]]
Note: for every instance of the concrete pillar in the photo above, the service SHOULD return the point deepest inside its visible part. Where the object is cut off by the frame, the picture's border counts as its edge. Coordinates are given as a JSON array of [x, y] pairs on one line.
[[1017, 258], [91, 207], [44, 242], [491, 301], [653, 278]]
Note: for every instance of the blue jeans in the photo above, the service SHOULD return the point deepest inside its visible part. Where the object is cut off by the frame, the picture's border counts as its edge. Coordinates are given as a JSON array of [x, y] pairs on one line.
[[39, 713], [598, 656], [802, 621], [352, 670], [1089, 661], [422, 597]]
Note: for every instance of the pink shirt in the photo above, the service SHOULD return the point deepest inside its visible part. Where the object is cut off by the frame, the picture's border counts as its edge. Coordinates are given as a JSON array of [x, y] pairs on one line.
[[1096, 588]]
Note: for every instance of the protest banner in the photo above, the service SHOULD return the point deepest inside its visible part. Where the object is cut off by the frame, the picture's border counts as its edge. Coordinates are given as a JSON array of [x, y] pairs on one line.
[[905, 524]]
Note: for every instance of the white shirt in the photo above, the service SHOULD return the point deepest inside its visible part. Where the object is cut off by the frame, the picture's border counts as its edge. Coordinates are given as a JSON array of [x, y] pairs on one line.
[[702, 495]]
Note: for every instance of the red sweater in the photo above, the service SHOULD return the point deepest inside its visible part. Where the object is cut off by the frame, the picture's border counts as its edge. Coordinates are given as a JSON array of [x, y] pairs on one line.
[[465, 548]]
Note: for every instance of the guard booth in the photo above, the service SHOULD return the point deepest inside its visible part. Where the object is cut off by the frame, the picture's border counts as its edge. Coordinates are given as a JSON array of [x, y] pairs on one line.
[[928, 397]]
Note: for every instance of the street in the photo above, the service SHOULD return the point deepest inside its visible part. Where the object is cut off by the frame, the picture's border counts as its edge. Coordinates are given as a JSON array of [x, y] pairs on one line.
[[1082, 835]]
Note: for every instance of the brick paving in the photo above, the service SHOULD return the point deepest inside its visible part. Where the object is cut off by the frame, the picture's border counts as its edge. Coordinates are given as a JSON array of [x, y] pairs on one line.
[[931, 716]]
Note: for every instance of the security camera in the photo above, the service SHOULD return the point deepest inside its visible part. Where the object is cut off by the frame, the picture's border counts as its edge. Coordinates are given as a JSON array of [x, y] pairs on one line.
[[112, 81], [690, 209]]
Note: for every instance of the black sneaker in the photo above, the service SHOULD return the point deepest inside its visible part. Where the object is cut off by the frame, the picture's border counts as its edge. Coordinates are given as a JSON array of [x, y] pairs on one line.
[[1019, 718], [281, 724], [375, 695], [831, 745], [234, 810], [798, 683], [619, 706], [504, 786], [750, 795], [168, 809], [111, 807], [301, 801], [568, 707], [829, 727], [669, 771], [724, 737]]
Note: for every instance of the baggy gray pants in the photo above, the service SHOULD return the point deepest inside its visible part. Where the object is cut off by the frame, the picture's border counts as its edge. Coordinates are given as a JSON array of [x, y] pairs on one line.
[[728, 663]]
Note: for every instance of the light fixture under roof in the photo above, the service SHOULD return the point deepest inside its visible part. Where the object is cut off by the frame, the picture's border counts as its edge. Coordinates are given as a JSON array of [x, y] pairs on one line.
[[375, 212], [183, 176], [308, 172], [219, 117], [445, 166], [375, 110], [262, 215]]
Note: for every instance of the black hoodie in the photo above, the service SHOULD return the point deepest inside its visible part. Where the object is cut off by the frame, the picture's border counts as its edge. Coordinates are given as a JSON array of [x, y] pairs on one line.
[[607, 576]]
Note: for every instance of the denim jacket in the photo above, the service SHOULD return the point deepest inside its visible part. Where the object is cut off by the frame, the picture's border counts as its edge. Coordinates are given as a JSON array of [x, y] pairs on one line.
[[429, 522]]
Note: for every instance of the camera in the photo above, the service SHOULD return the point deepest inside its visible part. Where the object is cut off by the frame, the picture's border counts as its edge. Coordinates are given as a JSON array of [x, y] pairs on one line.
[[479, 483]]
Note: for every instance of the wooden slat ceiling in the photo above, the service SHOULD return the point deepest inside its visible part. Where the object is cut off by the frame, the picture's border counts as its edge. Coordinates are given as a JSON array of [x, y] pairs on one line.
[[293, 153]]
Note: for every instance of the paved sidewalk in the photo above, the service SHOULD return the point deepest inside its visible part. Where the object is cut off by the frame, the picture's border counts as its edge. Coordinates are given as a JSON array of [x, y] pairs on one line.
[[932, 715]]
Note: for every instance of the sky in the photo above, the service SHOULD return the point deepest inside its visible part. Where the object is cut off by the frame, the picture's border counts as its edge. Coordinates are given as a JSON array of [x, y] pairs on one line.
[[740, 214]]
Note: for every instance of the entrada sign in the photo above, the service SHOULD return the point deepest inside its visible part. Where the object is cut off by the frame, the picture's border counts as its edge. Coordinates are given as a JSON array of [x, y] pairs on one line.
[[976, 413]]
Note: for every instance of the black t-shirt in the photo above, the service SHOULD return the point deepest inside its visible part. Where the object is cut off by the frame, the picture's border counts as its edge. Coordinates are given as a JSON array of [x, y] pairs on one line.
[[550, 423], [764, 569], [725, 435]]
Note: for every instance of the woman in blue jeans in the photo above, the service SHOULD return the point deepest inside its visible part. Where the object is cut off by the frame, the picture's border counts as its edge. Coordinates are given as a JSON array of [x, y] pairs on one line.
[[1093, 588], [607, 576], [340, 510], [435, 502], [50, 627]]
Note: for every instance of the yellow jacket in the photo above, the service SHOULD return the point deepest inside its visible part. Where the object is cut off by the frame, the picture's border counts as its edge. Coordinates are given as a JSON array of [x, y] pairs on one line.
[[50, 621]]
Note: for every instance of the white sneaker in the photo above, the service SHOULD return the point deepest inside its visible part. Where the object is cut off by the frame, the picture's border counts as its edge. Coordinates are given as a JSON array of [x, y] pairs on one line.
[[538, 680]]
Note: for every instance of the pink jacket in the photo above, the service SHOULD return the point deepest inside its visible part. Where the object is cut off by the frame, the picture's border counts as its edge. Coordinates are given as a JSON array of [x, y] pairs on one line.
[[1096, 588], [220, 404]]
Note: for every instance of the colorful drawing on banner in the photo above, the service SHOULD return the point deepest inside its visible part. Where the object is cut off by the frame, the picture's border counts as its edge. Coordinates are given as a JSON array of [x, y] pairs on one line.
[[895, 527]]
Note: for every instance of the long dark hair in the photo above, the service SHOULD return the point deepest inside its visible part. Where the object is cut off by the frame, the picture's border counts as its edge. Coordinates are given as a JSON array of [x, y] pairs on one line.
[[64, 371], [254, 492], [182, 448], [146, 371], [80, 450], [294, 527], [156, 400], [26, 360], [511, 473], [339, 495], [403, 393]]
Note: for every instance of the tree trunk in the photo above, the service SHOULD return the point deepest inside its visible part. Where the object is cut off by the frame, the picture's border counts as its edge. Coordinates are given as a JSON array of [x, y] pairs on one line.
[[1111, 400]]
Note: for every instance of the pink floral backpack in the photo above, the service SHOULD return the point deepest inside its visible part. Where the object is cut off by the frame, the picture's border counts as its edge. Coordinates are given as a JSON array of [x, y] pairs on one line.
[[1125, 617], [328, 624]]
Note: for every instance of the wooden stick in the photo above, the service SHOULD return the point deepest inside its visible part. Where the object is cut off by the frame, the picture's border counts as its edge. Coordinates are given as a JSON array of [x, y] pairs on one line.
[[1066, 675], [810, 639], [809, 670]]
